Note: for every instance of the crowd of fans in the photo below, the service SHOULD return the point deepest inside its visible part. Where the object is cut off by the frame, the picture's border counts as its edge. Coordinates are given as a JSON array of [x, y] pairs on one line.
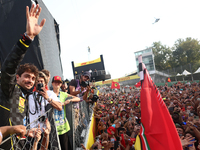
[[118, 116]]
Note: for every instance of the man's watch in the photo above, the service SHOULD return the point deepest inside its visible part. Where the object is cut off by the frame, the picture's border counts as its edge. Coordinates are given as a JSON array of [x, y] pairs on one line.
[[48, 99]]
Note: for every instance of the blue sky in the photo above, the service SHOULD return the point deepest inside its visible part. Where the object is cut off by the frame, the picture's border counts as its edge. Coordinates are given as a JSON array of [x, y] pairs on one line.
[[116, 29]]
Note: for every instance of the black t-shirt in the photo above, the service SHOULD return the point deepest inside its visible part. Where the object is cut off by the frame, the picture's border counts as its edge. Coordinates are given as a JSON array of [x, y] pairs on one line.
[[73, 82]]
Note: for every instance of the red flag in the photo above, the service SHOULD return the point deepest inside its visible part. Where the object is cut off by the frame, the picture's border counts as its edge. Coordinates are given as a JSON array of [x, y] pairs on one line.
[[157, 131], [138, 84], [115, 85]]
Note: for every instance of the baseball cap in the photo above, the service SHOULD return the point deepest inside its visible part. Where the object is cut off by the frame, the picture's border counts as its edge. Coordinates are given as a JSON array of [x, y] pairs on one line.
[[128, 107], [87, 73], [124, 110], [110, 129], [57, 78]]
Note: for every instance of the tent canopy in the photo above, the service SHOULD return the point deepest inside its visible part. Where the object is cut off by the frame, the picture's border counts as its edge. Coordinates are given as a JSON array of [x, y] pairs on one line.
[[178, 74], [185, 72], [198, 70]]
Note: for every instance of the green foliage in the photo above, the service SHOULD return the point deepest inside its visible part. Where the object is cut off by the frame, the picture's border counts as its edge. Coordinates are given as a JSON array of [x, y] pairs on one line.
[[182, 53], [162, 56]]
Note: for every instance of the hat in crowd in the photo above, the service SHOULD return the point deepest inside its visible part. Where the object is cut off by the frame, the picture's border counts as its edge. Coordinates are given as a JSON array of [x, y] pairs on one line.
[[87, 73], [124, 110], [132, 141], [57, 78], [110, 129], [128, 107], [164, 98], [178, 125]]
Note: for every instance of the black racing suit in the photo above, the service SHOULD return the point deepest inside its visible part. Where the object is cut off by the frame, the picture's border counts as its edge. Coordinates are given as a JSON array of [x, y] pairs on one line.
[[13, 98]]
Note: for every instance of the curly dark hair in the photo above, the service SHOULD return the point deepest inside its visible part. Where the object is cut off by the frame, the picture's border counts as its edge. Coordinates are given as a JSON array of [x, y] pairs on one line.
[[27, 68]]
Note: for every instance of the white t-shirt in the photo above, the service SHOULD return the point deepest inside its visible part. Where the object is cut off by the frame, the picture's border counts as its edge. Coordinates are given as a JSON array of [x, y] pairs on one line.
[[34, 114]]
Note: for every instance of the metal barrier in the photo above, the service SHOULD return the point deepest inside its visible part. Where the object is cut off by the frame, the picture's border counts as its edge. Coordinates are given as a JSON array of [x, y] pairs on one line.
[[29, 142], [79, 120]]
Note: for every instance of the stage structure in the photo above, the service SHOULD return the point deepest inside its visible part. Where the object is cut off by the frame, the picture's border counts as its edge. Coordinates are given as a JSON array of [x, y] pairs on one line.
[[96, 67], [44, 51]]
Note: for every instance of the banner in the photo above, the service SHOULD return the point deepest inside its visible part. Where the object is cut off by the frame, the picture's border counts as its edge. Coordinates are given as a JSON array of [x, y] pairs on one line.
[[87, 63], [117, 80]]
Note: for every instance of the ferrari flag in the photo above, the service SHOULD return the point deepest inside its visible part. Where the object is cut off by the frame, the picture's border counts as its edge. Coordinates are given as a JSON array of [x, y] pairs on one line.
[[115, 85], [157, 130], [138, 84]]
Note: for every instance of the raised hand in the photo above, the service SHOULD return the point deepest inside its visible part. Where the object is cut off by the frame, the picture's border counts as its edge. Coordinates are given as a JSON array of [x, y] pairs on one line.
[[38, 134], [187, 141], [47, 130], [32, 27]]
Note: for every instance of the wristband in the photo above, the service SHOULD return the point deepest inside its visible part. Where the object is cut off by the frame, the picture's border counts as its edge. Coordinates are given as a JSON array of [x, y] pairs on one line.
[[80, 90], [26, 40], [26, 35]]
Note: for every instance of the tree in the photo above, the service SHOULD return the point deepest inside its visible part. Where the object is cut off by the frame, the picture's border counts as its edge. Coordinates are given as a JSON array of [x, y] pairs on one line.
[[162, 56], [187, 52]]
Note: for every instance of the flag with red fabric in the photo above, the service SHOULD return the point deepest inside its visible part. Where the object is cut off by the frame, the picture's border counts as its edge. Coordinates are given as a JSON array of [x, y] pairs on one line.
[[168, 80], [138, 84], [115, 85], [157, 130]]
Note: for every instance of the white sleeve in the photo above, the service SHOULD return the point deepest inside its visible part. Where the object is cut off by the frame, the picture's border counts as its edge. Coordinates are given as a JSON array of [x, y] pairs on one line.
[[52, 95]]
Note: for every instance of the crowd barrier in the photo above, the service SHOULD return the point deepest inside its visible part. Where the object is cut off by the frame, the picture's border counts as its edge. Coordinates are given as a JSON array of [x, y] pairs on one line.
[[79, 121], [26, 142]]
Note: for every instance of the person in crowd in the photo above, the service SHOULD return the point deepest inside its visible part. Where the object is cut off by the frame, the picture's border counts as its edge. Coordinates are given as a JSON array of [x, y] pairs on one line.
[[16, 81], [64, 87], [60, 116], [78, 88], [47, 73], [118, 115], [38, 104]]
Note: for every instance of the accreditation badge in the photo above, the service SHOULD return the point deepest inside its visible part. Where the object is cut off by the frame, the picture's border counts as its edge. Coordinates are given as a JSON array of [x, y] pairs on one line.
[[21, 104]]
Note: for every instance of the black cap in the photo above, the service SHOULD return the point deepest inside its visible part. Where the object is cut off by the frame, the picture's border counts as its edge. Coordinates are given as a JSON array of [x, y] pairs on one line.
[[87, 73]]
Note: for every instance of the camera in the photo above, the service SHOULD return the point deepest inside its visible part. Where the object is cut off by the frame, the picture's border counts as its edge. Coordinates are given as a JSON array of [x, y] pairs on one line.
[[94, 98], [42, 118], [39, 86], [84, 84]]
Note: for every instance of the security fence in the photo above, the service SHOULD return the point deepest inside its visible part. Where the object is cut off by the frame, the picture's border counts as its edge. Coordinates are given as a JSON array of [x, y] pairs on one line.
[[34, 139], [79, 119]]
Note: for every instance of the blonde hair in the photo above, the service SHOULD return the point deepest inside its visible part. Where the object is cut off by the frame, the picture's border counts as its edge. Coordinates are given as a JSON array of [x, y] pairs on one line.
[[42, 75]]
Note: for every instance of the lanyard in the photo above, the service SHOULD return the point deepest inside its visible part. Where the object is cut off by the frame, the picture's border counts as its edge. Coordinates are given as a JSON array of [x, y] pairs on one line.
[[37, 99]]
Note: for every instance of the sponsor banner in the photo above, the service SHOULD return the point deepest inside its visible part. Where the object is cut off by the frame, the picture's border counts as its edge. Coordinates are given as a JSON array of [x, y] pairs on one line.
[[117, 80], [87, 63]]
